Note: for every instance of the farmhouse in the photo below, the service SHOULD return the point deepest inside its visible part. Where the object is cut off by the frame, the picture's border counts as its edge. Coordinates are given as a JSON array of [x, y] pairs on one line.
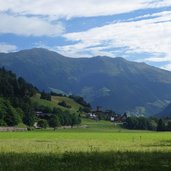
[[91, 116], [112, 119]]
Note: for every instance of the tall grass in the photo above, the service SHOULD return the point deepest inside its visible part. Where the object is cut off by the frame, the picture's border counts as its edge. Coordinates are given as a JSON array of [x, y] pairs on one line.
[[77, 141], [85, 150]]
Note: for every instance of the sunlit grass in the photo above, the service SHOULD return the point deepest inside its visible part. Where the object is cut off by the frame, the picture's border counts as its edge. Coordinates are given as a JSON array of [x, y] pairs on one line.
[[73, 141], [54, 102], [89, 149]]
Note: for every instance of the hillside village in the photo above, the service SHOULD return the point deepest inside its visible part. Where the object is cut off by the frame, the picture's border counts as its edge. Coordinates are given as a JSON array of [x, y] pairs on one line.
[[109, 115]]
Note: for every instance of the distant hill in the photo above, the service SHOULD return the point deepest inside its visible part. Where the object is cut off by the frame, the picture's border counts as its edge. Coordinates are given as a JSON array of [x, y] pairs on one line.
[[113, 83]]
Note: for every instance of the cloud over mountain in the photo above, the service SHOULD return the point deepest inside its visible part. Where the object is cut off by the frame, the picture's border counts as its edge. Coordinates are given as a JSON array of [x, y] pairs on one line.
[[134, 29]]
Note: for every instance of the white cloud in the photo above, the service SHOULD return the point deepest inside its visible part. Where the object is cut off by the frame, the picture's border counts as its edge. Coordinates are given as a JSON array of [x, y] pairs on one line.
[[33, 18], [164, 13], [5, 48], [146, 36], [157, 59], [77, 8], [167, 67], [28, 26], [25, 17]]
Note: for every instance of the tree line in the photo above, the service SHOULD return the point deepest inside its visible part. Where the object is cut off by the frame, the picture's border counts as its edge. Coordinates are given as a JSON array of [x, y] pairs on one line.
[[142, 123], [55, 117]]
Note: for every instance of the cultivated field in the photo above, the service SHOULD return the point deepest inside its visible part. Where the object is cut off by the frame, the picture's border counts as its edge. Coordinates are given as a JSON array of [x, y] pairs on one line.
[[85, 149]]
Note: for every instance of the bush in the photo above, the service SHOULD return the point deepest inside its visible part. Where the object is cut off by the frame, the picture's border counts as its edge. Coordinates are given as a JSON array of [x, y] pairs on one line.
[[63, 103]]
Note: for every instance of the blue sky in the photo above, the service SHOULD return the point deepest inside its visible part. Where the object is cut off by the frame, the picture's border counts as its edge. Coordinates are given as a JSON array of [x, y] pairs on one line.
[[138, 30]]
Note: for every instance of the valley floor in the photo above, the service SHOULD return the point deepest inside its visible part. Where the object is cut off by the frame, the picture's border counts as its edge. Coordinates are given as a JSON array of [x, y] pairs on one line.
[[85, 149]]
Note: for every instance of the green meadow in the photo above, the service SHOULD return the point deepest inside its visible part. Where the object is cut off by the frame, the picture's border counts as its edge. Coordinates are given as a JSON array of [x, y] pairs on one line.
[[54, 102], [59, 142], [85, 149]]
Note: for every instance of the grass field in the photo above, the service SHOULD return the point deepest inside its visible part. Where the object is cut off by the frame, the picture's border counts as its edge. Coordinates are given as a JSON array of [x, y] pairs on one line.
[[85, 149], [54, 102]]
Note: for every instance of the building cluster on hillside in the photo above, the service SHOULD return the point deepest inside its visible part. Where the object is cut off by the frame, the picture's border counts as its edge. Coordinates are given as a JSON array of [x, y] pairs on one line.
[[99, 114]]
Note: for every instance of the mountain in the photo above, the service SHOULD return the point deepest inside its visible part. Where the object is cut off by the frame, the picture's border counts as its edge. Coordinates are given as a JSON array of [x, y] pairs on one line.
[[113, 83], [166, 112]]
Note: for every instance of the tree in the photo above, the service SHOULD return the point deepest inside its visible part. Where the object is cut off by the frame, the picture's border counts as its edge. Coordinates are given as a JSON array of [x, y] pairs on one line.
[[16, 93], [11, 118], [143, 123], [30, 117], [152, 124], [169, 126], [131, 123], [42, 123], [161, 125], [75, 120], [3, 123], [20, 113], [86, 109], [140, 123], [45, 96], [54, 121]]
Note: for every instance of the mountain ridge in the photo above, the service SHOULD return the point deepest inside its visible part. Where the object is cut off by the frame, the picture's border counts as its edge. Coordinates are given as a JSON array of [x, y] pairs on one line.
[[166, 112], [114, 83]]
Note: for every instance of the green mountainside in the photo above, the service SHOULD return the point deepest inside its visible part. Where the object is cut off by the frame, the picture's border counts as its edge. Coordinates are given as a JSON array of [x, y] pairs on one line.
[[15, 104], [74, 106], [113, 83], [20, 101]]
